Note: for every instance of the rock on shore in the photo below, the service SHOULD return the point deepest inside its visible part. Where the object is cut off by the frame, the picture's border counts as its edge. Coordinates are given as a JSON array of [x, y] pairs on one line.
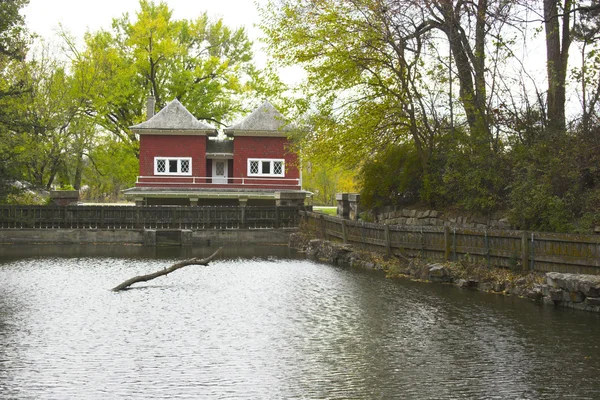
[[577, 291]]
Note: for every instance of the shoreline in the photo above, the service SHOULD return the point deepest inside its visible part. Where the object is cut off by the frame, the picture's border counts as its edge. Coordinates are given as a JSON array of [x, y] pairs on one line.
[[574, 291]]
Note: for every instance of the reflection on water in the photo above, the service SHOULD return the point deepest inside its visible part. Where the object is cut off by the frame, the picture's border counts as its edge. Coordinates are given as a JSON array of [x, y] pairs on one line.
[[260, 322]]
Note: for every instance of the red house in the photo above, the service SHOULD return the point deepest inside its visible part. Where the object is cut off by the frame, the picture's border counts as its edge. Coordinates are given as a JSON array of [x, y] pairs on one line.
[[182, 162]]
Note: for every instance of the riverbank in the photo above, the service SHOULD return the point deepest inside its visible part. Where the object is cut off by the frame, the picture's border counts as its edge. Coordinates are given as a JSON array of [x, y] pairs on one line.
[[576, 291]]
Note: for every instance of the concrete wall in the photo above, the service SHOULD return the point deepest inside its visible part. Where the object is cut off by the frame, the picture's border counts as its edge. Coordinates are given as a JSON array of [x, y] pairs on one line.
[[75, 236], [149, 237], [243, 236]]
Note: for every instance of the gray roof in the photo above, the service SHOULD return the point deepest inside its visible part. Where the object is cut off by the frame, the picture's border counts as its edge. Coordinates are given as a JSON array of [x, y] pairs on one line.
[[219, 147], [265, 118], [174, 117]]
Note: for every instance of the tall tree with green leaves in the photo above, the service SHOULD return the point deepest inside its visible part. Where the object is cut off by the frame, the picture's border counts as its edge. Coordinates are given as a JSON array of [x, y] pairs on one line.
[[14, 41], [205, 64], [50, 119]]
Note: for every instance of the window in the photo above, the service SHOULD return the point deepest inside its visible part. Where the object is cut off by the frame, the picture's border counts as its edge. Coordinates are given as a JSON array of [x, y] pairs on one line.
[[172, 166], [266, 167]]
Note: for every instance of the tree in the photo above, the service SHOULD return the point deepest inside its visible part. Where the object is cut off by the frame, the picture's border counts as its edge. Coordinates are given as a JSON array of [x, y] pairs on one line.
[[558, 40], [109, 167], [325, 180], [14, 41], [202, 62], [48, 113]]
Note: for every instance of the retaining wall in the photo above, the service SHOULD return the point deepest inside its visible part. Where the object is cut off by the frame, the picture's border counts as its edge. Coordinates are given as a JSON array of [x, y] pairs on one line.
[[149, 237]]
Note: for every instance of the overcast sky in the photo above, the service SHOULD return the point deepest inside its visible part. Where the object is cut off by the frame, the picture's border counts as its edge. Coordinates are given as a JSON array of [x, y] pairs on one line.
[[77, 16], [43, 16]]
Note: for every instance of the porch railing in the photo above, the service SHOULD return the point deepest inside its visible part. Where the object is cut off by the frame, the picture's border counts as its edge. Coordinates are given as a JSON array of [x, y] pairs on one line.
[[208, 181]]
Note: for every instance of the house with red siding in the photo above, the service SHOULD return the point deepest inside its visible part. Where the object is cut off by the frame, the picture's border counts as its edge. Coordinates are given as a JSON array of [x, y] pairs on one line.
[[184, 162]]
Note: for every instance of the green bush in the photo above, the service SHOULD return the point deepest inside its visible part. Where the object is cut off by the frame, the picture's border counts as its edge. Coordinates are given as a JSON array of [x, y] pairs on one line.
[[392, 178]]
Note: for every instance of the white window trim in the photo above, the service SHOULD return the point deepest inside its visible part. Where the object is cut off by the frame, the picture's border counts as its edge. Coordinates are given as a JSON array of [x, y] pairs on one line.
[[272, 161], [178, 159]]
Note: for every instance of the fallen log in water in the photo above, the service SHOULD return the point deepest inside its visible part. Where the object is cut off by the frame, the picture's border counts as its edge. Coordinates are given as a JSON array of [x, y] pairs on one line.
[[174, 267]]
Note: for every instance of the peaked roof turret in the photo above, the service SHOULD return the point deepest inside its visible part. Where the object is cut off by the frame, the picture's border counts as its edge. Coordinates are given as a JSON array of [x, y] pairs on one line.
[[174, 119], [264, 121]]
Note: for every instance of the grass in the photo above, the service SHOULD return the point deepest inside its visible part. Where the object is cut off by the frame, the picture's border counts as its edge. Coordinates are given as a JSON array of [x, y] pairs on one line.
[[325, 210]]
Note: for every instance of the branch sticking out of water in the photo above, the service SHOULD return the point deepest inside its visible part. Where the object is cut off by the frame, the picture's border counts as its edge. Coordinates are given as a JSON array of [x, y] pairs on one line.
[[162, 272]]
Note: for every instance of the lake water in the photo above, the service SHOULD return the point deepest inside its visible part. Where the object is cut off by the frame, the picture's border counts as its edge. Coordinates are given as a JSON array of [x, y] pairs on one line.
[[263, 323]]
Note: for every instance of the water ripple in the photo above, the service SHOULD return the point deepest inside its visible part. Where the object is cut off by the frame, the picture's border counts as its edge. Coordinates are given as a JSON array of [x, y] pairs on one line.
[[273, 328]]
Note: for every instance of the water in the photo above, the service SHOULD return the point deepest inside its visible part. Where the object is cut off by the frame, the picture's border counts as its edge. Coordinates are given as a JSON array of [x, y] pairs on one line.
[[263, 323]]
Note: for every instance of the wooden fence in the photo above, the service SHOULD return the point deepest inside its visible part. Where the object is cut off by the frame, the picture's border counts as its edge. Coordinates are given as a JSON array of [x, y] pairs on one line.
[[503, 248], [147, 217]]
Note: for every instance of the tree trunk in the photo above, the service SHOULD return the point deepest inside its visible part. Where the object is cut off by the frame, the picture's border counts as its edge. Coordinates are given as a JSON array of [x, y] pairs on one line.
[[557, 54], [174, 267]]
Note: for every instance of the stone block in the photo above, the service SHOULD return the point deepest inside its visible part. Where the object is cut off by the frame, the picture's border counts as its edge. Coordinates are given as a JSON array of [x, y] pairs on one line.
[[576, 297], [290, 198], [556, 295], [439, 273], [411, 221], [499, 287], [547, 300], [545, 290], [534, 294], [467, 283], [593, 301], [434, 214], [64, 197]]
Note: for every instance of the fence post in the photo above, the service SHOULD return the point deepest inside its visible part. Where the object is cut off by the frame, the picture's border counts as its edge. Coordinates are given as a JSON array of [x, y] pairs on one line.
[[525, 251], [388, 243], [276, 217], [344, 231], [64, 217], [532, 263], [447, 243]]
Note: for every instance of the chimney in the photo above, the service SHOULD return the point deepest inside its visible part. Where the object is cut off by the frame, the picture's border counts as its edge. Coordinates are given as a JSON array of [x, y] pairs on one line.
[[150, 107]]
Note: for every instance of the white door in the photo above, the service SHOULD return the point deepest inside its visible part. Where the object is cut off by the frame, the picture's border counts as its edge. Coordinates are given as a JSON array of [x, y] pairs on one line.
[[219, 171]]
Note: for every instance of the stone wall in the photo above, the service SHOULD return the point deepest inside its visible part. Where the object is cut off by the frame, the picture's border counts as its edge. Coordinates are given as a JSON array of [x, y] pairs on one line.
[[436, 218]]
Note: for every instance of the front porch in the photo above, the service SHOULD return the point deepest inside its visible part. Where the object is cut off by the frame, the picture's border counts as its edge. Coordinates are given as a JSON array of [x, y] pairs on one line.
[[215, 195]]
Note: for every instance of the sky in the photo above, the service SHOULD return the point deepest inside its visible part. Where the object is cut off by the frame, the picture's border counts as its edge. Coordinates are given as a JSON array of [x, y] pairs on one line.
[[77, 16]]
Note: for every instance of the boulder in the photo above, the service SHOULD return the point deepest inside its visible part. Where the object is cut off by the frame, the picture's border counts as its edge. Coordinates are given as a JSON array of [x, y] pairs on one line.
[[467, 283], [593, 301], [439, 273], [588, 285], [556, 295], [534, 294]]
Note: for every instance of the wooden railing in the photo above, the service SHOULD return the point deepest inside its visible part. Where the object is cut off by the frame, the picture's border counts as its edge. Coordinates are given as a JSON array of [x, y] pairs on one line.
[[147, 217], [504, 248], [229, 182]]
